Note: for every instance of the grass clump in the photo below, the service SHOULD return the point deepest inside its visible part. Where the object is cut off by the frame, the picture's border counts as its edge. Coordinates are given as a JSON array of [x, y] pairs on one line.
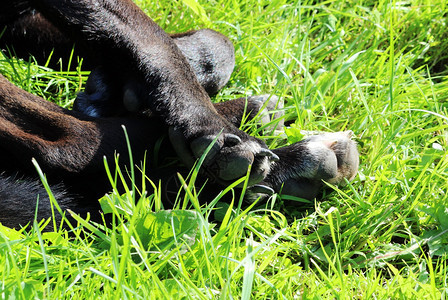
[[378, 68]]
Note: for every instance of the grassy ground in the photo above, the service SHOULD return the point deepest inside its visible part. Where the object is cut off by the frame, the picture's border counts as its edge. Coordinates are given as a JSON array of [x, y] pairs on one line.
[[378, 68]]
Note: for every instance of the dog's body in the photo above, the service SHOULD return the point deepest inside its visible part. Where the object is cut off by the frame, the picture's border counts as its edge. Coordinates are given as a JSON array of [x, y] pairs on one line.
[[170, 77]]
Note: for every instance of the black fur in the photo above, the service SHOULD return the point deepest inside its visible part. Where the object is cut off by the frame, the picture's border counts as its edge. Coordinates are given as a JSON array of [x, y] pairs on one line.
[[159, 86]]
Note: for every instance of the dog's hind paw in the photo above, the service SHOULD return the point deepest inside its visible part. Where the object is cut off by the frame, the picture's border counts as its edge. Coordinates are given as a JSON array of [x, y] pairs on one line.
[[332, 157], [95, 100], [105, 96]]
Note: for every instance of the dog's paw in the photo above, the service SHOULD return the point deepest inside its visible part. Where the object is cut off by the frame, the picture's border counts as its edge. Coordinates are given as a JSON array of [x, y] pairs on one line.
[[95, 100], [270, 110], [267, 109], [105, 95], [229, 155], [332, 157]]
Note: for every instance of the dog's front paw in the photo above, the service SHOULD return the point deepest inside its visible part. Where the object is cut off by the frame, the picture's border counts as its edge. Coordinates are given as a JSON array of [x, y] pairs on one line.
[[229, 155], [332, 157]]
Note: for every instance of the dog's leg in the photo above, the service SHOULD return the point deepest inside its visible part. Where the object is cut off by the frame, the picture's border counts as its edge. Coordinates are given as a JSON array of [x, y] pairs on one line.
[[63, 142], [69, 148], [209, 53], [122, 33]]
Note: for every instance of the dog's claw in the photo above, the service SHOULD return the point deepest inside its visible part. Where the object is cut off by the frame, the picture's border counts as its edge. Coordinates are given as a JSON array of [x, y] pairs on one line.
[[231, 139], [261, 189], [269, 154]]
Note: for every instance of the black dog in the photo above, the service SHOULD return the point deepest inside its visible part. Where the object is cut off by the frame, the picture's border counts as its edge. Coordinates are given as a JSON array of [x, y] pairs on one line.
[[159, 84]]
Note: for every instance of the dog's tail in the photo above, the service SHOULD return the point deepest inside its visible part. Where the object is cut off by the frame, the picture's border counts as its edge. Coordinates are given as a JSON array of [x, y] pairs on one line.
[[19, 198]]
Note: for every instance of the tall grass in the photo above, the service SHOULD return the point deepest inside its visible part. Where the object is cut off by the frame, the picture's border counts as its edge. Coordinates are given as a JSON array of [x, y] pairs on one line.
[[378, 68]]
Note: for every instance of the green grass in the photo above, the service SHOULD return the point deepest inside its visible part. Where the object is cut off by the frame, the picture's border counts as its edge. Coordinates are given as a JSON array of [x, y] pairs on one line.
[[378, 68]]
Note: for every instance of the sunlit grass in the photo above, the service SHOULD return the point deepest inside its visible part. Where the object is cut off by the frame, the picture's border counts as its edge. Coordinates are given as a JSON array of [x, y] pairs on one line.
[[378, 68]]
